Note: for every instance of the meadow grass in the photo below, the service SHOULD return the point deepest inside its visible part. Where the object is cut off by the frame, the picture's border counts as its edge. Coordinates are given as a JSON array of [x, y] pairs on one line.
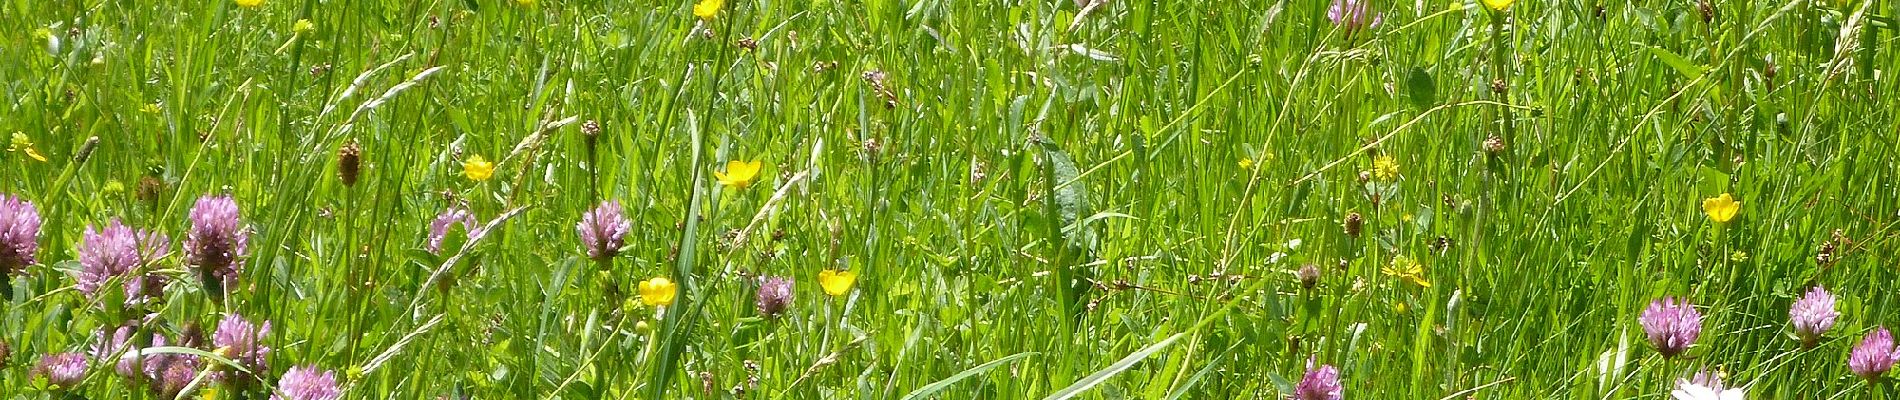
[[1037, 200]]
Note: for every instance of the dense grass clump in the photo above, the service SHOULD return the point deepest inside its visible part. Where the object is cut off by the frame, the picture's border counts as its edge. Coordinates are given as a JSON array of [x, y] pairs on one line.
[[898, 199]]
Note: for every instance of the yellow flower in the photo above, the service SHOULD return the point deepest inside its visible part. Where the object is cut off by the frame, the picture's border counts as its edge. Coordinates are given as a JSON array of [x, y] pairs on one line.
[[1385, 168], [302, 26], [249, 3], [706, 9], [1721, 208], [1499, 5], [1403, 267], [1246, 163], [739, 174], [477, 168], [24, 144], [658, 291], [836, 283]]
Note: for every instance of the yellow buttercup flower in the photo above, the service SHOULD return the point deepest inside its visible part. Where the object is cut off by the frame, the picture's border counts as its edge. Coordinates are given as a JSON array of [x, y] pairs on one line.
[[249, 3], [1246, 163], [1405, 268], [477, 168], [739, 174], [1499, 5], [1721, 208], [836, 283], [706, 9], [1385, 168], [658, 291], [23, 144]]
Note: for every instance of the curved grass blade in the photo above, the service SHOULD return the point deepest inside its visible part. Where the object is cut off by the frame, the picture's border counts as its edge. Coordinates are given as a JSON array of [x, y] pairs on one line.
[[934, 387], [1124, 364]]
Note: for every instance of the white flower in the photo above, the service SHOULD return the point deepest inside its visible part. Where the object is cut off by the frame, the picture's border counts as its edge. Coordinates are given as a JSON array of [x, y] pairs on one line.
[[1293, 244], [1686, 390]]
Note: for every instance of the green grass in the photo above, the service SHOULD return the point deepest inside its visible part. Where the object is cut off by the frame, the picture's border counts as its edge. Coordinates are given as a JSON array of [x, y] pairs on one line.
[[1010, 146]]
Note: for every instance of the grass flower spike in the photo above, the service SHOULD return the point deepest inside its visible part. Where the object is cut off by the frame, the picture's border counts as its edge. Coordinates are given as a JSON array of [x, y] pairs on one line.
[[739, 174]]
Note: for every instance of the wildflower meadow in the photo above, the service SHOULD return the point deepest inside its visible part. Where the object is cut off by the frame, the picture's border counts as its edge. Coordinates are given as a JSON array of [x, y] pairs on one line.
[[949, 199]]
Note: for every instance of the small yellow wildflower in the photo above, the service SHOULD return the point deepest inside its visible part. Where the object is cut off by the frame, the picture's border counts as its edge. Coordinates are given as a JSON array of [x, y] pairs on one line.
[[1499, 5], [707, 9], [739, 174], [23, 144], [1246, 163], [1385, 168], [658, 291], [303, 26], [1721, 208], [836, 283], [249, 3], [477, 168], [1405, 268], [151, 108]]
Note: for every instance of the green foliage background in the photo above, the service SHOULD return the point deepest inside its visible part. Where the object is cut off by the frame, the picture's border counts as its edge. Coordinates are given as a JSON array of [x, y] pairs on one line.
[[1030, 184]]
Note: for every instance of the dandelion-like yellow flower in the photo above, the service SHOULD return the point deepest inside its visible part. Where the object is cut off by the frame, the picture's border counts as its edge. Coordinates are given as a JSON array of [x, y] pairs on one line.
[[1385, 168], [303, 26], [658, 291], [707, 9], [477, 168], [1499, 5], [1721, 208], [249, 3], [23, 144], [1405, 268], [837, 283], [739, 174], [1246, 163]]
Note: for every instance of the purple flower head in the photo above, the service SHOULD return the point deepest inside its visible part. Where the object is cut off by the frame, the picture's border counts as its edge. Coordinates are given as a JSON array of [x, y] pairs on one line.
[[1813, 315], [307, 383], [775, 295], [1874, 356], [241, 341], [116, 251], [1671, 325], [1320, 383], [603, 231], [19, 234], [216, 241], [170, 372], [1352, 15], [118, 346], [439, 229], [64, 369]]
